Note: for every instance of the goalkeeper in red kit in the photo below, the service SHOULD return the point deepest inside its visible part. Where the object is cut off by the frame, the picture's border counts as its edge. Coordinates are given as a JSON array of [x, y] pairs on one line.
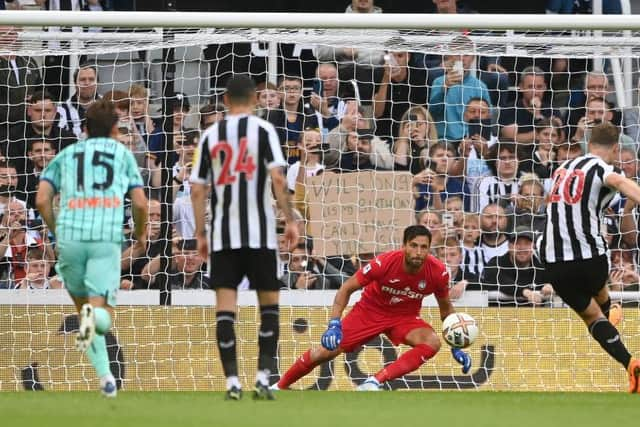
[[394, 285]]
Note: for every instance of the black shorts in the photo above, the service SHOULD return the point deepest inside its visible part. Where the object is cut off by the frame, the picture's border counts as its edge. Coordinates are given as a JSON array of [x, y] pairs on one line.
[[229, 267], [578, 281]]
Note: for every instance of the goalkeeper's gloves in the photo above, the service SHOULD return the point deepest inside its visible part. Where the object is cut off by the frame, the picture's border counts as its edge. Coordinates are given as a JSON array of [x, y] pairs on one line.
[[462, 358], [333, 335]]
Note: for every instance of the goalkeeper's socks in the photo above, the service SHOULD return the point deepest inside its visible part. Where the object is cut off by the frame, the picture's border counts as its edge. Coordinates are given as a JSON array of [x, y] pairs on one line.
[[97, 353], [226, 339], [301, 367], [609, 339], [102, 319], [407, 362], [268, 339]]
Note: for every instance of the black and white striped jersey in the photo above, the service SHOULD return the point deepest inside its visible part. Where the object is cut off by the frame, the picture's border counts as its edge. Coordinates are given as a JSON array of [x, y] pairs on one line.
[[235, 156], [491, 189], [575, 207]]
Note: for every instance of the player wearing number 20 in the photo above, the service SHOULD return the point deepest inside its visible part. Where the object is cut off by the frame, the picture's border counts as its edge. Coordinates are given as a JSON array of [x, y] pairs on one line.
[[92, 178], [394, 284], [240, 157], [574, 250]]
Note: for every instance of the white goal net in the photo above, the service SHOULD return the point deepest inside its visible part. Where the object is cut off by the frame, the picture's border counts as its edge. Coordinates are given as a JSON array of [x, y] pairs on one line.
[[458, 130]]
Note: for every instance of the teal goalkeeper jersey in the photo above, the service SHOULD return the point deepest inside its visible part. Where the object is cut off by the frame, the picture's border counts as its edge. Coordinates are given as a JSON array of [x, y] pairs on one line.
[[92, 178]]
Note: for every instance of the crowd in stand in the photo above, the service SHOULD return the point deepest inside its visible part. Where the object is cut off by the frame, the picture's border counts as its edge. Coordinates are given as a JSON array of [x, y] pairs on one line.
[[481, 136]]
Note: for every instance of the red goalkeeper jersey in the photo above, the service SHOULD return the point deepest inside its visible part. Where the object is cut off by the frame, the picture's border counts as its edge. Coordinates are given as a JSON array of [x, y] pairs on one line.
[[390, 290]]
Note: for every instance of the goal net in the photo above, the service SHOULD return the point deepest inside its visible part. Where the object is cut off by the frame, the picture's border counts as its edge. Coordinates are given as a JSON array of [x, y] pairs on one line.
[[458, 130]]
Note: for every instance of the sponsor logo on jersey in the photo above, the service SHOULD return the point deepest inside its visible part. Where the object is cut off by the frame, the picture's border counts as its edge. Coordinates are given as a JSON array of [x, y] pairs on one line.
[[392, 281], [406, 292], [94, 202]]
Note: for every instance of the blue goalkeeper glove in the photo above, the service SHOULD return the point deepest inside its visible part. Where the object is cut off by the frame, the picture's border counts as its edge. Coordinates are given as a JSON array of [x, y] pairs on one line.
[[333, 335], [462, 358]]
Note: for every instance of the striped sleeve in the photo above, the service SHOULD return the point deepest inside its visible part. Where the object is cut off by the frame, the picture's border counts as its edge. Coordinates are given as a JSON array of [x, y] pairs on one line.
[[274, 153], [51, 174], [607, 170], [201, 170]]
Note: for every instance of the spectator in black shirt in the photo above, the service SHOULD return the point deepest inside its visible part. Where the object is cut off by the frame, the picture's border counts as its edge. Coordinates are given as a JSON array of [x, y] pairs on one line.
[[401, 87], [518, 274], [41, 125], [548, 135], [518, 122]]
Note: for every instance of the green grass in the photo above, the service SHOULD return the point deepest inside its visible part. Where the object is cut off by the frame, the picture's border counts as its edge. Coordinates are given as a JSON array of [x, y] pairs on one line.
[[309, 409]]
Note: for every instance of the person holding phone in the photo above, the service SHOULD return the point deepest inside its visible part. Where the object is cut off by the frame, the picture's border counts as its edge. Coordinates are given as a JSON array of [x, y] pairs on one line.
[[401, 87], [324, 95], [417, 132], [453, 90]]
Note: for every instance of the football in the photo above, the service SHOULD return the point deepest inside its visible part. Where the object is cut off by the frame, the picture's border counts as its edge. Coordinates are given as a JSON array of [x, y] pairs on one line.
[[460, 330]]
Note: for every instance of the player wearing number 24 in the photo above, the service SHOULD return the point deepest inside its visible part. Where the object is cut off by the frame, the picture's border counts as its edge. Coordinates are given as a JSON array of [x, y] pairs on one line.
[[573, 249], [394, 285]]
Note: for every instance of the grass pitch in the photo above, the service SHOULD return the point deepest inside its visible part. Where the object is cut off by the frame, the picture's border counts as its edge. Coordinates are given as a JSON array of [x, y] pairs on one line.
[[312, 408]]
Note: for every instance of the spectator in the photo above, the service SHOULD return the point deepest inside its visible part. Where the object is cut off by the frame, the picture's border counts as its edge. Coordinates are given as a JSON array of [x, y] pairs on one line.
[[327, 102], [623, 274], [42, 113], [368, 153], [133, 260], [9, 186], [628, 163], [452, 91], [38, 268], [529, 209], [306, 271], [518, 122], [139, 104], [129, 136], [186, 270], [502, 185], [595, 85], [433, 221], [417, 133], [401, 87], [20, 239], [566, 151], [440, 178], [369, 57], [460, 280], [540, 162], [337, 138], [493, 229], [40, 153], [211, 114], [310, 163], [454, 207], [185, 145], [518, 274], [181, 107], [597, 111], [473, 259], [268, 98], [478, 139], [293, 117], [72, 111], [19, 77]]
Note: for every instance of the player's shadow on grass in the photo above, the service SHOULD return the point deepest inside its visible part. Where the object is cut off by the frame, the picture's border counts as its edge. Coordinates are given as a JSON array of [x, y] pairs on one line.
[[421, 382]]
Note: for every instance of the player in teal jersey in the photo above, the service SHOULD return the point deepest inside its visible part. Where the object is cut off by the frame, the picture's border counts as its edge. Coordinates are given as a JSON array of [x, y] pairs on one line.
[[92, 177]]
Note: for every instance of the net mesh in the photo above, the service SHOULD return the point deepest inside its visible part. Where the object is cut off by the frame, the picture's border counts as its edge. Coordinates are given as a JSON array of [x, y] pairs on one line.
[[395, 149]]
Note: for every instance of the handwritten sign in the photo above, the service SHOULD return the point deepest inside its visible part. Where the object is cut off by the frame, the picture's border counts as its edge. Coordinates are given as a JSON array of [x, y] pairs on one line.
[[358, 213]]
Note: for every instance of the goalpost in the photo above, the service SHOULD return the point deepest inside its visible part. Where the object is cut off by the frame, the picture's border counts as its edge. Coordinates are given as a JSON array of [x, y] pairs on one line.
[[164, 338]]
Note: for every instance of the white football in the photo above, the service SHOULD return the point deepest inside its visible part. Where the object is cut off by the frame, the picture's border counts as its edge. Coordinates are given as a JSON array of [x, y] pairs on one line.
[[460, 330]]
